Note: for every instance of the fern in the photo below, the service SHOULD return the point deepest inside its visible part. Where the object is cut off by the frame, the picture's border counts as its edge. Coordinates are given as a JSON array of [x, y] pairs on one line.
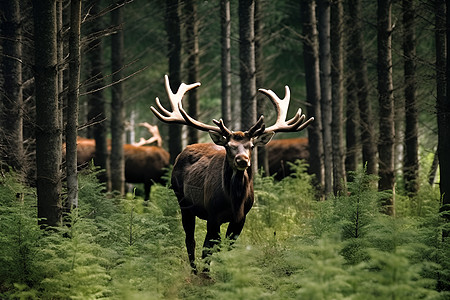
[[74, 264], [20, 234], [291, 247]]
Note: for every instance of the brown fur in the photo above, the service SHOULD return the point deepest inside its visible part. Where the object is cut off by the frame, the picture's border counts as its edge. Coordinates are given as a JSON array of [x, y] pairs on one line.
[[286, 150], [215, 183], [143, 164], [204, 167]]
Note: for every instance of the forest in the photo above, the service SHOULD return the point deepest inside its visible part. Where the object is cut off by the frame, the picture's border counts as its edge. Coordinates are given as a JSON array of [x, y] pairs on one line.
[[349, 199]]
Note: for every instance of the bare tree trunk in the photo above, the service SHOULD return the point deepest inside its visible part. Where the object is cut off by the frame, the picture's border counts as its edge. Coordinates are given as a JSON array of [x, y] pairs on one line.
[[311, 61], [411, 162], [325, 90], [352, 123], [443, 105], [225, 38], [117, 162], [263, 158], [174, 55], [358, 65], [72, 104], [190, 11], [48, 130], [337, 95], [386, 103], [352, 120], [11, 138], [61, 63], [247, 67], [433, 168], [97, 110]]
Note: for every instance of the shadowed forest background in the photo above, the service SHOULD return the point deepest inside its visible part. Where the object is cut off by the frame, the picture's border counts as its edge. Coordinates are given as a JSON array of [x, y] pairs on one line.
[[358, 207]]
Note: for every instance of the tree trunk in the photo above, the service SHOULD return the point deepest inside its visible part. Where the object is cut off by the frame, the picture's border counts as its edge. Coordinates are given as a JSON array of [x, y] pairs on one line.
[[190, 11], [247, 68], [263, 158], [411, 161], [174, 55], [225, 40], [48, 130], [97, 110], [386, 103], [352, 120], [443, 105], [358, 65], [337, 95], [61, 63], [353, 146], [117, 162], [311, 61], [11, 138], [72, 104], [325, 89], [433, 168]]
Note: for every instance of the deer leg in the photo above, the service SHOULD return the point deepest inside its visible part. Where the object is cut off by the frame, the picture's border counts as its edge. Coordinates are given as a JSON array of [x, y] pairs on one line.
[[188, 220], [234, 230], [212, 238], [147, 189]]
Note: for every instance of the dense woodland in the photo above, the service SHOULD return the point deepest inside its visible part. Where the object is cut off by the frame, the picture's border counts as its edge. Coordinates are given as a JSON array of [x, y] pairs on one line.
[[358, 210]]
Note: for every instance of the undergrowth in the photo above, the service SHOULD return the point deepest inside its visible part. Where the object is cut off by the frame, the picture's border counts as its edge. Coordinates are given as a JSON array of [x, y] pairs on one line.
[[292, 246]]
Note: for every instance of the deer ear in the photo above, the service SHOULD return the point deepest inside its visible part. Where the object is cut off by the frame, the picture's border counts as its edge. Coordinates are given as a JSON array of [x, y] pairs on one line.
[[263, 139], [217, 138]]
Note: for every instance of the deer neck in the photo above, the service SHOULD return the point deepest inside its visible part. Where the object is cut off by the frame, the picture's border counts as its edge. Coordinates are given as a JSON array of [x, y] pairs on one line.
[[238, 188]]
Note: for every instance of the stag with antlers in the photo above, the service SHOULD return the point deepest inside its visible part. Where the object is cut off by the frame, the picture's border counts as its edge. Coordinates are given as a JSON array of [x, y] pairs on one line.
[[214, 182]]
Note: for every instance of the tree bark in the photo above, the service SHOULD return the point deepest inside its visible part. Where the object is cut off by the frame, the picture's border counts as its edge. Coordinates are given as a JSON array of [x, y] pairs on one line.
[[174, 55], [443, 105], [11, 138], [337, 95], [117, 162], [263, 158], [411, 161], [358, 65], [72, 104], [225, 40], [353, 146], [96, 100], [433, 168], [190, 11], [61, 62], [325, 90], [311, 61], [386, 103], [247, 68], [48, 130]]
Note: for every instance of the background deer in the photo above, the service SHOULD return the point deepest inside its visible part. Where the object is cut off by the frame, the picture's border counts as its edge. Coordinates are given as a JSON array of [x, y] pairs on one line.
[[215, 182], [143, 164], [285, 151]]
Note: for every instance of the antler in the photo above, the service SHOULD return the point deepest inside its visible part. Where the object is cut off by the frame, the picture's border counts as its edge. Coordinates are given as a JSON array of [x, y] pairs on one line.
[[281, 106], [179, 115], [153, 129]]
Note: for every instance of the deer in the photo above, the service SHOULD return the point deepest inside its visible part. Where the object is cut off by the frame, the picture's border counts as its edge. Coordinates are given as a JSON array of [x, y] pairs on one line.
[[214, 181], [284, 151], [143, 164]]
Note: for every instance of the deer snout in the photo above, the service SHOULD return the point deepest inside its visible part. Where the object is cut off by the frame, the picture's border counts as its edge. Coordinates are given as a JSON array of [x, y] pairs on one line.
[[242, 162]]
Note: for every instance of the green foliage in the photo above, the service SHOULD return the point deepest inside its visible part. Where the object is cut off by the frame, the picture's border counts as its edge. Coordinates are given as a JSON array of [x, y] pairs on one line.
[[292, 247], [73, 263], [19, 234]]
